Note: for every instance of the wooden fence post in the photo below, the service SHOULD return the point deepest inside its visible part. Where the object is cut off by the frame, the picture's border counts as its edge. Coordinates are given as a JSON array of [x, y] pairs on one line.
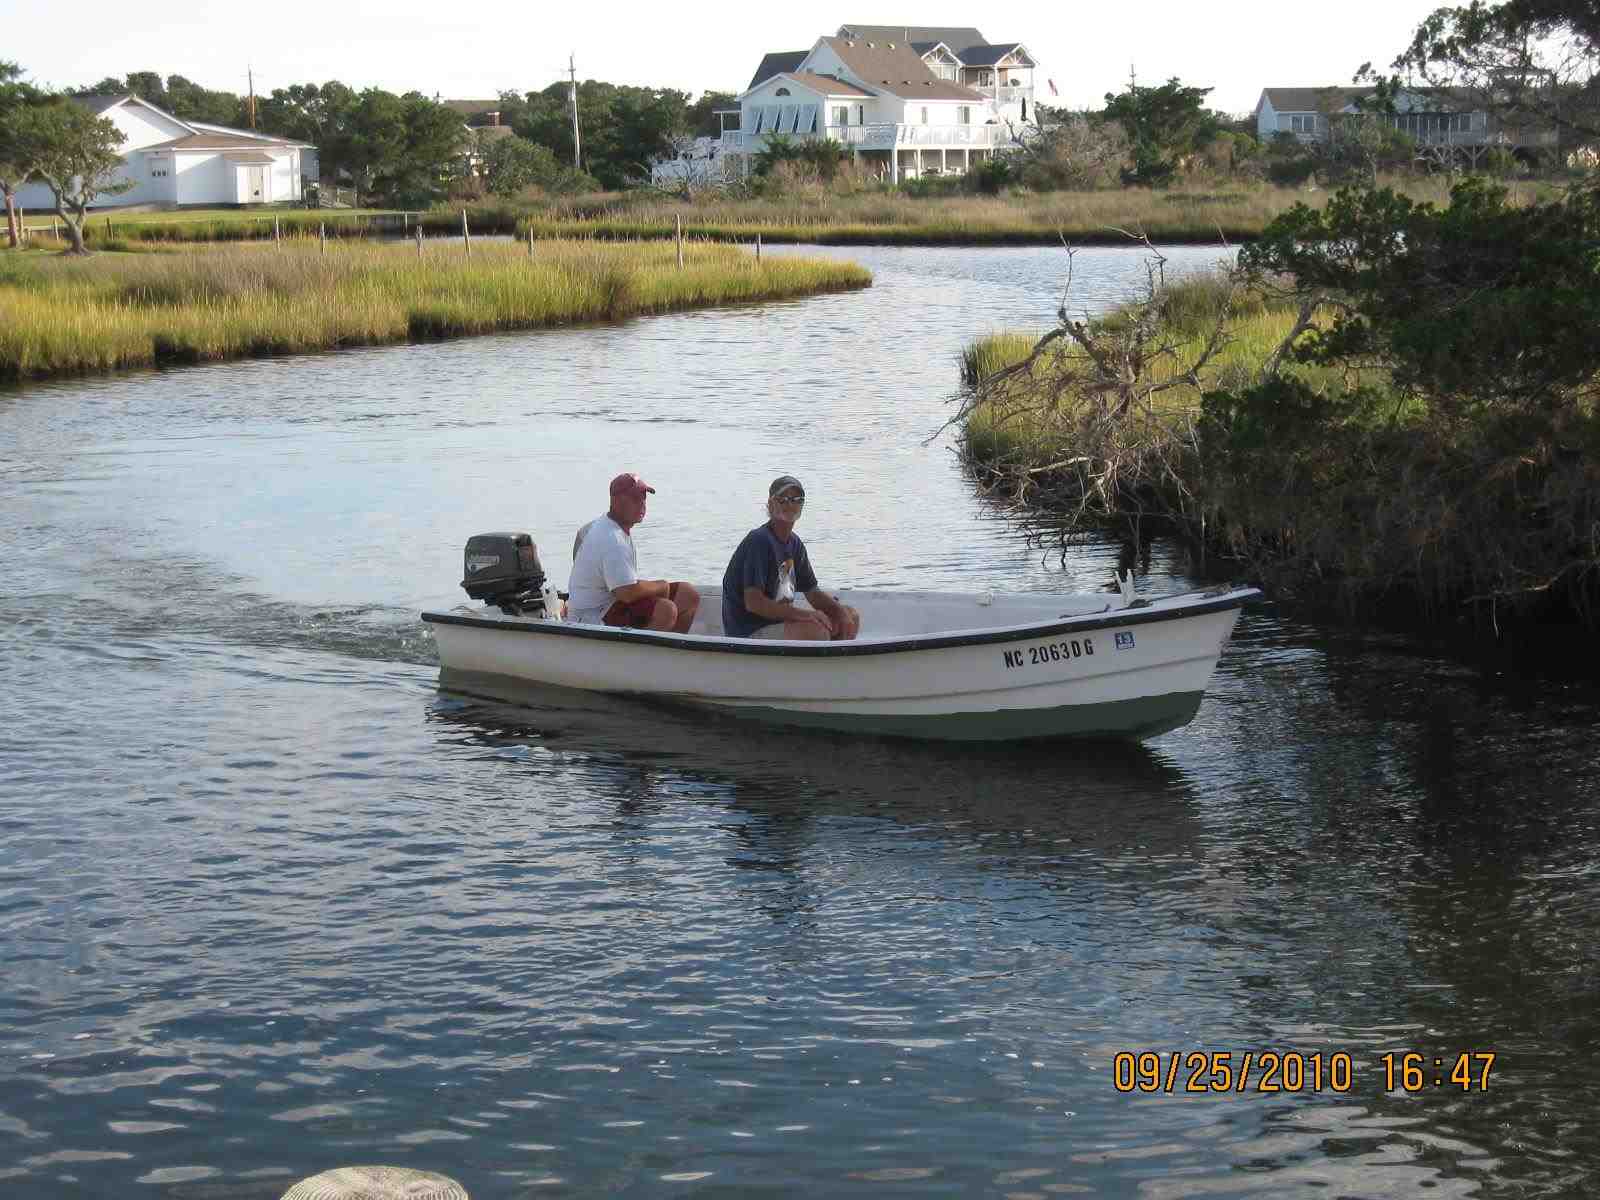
[[758, 247], [530, 241], [466, 234], [277, 231], [419, 239], [322, 237], [680, 241]]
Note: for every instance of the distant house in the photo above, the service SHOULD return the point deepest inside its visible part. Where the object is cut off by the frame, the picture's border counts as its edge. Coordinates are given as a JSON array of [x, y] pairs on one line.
[[694, 160], [481, 123], [907, 100], [477, 114], [172, 162], [1447, 124]]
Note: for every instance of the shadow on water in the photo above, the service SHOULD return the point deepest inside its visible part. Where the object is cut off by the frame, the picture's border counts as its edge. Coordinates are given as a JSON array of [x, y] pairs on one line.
[[1067, 797]]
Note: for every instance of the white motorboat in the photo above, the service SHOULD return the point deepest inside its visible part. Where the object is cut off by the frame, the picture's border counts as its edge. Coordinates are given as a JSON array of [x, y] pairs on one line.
[[928, 665]]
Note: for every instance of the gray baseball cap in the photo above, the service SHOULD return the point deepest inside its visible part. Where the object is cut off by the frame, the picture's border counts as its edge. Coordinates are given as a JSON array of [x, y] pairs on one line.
[[783, 483]]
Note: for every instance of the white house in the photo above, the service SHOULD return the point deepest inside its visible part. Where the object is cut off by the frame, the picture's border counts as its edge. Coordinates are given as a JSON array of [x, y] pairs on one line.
[[1443, 122], [174, 162], [694, 161], [906, 99]]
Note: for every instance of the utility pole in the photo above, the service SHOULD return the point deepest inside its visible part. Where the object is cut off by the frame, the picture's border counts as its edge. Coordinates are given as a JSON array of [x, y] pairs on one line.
[[252, 74], [572, 73]]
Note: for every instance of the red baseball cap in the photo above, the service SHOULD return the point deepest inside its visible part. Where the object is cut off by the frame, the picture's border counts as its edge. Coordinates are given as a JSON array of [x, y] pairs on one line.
[[629, 484]]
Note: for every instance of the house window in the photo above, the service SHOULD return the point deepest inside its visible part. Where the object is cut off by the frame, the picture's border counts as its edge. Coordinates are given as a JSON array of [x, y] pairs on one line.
[[782, 92], [964, 115], [1302, 122], [841, 114], [924, 114]]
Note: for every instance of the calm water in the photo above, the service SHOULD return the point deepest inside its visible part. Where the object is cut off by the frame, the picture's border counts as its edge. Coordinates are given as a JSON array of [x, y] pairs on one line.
[[271, 903]]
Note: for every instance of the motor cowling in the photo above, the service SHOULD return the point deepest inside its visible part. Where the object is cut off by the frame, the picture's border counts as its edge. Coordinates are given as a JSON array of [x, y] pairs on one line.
[[503, 569]]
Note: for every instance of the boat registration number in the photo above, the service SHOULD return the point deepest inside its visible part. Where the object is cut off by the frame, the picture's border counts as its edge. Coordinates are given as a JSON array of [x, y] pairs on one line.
[[1048, 652]]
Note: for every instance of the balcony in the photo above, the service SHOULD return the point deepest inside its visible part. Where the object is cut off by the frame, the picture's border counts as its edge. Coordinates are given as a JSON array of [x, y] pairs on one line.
[[887, 136], [1005, 93]]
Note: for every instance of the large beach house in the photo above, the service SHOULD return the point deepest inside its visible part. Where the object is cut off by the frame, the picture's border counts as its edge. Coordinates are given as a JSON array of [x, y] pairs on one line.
[[906, 100], [170, 161]]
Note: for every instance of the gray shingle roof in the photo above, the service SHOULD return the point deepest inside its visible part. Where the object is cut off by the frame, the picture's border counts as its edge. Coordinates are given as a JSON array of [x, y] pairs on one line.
[[1312, 99], [987, 56], [217, 141], [899, 71], [827, 84], [1319, 99], [779, 62], [471, 108], [958, 39]]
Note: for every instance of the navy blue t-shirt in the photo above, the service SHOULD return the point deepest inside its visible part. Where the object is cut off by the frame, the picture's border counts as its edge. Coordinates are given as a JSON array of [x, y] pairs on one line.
[[780, 569]]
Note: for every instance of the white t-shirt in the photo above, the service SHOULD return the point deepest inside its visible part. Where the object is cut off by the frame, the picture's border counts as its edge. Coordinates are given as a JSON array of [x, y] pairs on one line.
[[605, 560]]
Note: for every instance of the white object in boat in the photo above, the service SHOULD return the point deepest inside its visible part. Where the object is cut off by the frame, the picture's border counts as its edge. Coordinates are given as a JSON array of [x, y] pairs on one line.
[[929, 664]]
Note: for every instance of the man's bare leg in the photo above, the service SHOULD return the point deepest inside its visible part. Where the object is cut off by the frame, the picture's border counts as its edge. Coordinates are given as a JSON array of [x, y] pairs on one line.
[[687, 598], [664, 616]]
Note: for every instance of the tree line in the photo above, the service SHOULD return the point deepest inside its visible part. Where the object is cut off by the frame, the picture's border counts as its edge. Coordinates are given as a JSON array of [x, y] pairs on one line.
[[408, 149]]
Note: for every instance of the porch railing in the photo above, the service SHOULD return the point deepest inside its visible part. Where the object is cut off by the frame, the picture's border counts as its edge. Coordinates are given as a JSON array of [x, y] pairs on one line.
[[886, 136], [1005, 93]]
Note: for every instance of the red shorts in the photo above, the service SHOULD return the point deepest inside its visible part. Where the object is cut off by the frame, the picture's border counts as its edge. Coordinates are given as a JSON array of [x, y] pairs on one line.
[[636, 614]]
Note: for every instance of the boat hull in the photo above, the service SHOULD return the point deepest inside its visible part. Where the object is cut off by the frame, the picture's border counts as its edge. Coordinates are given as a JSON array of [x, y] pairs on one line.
[[1128, 673]]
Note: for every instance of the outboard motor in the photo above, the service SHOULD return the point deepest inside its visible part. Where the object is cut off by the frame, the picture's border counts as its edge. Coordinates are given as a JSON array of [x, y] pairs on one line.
[[503, 569]]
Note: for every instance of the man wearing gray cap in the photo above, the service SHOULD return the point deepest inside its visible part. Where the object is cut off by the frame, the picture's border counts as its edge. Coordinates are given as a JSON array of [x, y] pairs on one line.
[[767, 571]]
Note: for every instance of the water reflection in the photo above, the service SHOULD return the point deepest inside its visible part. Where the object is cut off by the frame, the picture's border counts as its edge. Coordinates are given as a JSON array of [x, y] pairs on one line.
[[1045, 793]]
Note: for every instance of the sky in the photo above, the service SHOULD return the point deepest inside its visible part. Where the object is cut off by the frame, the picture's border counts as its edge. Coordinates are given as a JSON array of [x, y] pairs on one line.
[[470, 51]]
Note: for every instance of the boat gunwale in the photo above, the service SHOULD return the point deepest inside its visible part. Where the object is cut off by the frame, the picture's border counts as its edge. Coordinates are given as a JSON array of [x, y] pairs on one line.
[[911, 643]]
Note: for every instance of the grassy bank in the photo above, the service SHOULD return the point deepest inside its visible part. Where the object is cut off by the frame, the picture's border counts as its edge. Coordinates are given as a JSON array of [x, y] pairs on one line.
[[806, 214], [894, 219], [118, 310], [1014, 435], [828, 217], [1345, 493], [108, 230]]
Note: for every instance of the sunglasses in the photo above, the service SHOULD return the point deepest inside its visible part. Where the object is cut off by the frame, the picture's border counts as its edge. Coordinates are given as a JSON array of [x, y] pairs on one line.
[[796, 500]]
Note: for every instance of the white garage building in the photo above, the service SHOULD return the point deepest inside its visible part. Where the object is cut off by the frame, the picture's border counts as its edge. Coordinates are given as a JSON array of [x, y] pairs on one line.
[[174, 162]]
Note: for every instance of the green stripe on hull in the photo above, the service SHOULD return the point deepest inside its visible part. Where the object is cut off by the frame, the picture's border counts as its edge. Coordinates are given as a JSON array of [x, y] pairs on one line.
[[1141, 718]]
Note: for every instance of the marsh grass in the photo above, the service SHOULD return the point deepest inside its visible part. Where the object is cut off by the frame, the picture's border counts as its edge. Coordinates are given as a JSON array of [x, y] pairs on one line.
[[893, 219], [826, 216], [112, 311], [1027, 431], [806, 213]]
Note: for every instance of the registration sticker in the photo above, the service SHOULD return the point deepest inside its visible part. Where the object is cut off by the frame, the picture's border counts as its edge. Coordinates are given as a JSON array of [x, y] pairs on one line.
[[1125, 640]]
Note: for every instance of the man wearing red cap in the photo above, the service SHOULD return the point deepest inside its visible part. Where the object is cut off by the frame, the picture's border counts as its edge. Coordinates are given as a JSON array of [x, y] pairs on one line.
[[605, 588]]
